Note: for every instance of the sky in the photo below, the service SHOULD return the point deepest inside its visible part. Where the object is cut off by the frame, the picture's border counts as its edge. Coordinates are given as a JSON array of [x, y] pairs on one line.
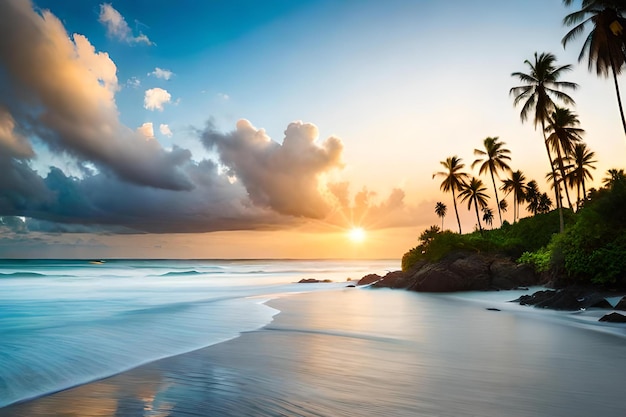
[[245, 129]]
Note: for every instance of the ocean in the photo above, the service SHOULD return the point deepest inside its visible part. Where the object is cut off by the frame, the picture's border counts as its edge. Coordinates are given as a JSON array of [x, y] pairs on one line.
[[142, 338], [68, 322]]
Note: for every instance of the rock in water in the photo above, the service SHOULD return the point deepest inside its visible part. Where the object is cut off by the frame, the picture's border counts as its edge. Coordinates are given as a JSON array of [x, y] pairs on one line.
[[613, 318]]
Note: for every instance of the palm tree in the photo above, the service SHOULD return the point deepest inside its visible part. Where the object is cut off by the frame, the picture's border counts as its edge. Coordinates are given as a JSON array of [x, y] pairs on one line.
[[517, 185], [582, 158], [440, 210], [494, 158], [533, 197], [606, 41], [540, 85], [453, 179], [544, 203], [613, 177], [488, 216], [503, 206], [474, 192], [564, 134]]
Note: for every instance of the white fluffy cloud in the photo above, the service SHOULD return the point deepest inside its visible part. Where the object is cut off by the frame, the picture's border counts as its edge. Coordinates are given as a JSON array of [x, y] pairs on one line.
[[165, 130], [162, 73], [117, 27], [155, 98]]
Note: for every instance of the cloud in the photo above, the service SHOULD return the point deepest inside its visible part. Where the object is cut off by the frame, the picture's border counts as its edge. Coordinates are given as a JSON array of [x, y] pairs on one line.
[[285, 177], [57, 91], [155, 98], [133, 82], [165, 130], [162, 73], [57, 88], [11, 142], [223, 96], [146, 130], [117, 27]]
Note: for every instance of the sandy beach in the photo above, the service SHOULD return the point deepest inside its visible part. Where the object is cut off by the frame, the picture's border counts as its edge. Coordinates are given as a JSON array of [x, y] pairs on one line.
[[358, 352]]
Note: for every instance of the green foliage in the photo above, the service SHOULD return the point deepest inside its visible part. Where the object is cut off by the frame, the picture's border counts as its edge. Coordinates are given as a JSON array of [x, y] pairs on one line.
[[594, 247], [512, 240], [539, 259]]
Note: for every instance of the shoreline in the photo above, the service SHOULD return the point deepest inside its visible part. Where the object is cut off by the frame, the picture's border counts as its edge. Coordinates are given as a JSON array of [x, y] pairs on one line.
[[317, 351]]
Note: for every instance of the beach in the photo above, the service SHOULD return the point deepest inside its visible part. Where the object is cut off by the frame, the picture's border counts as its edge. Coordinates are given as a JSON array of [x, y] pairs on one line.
[[364, 352]]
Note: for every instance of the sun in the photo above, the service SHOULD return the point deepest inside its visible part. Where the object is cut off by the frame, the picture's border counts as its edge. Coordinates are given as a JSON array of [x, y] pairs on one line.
[[357, 234]]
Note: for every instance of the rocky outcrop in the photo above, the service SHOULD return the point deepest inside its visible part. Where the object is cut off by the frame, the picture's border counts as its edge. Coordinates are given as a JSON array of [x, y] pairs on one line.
[[312, 281], [461, 271], [566, 299], [369, 279], [613, 318]]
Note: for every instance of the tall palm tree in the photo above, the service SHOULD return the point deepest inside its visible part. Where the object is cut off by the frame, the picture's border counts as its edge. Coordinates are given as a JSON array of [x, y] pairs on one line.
[[582, 159], [606, 41], [564, 134], [474, 193], [440, 210], [453, 179], [540, 85], [516, 185], [494, 158], [613, 177]]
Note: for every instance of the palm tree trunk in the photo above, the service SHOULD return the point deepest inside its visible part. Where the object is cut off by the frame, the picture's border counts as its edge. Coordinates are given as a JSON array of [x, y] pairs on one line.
[[456, 211], [495, 190], [584, 191], [562, 169], [557, 194], [478, 217], [619, 98]]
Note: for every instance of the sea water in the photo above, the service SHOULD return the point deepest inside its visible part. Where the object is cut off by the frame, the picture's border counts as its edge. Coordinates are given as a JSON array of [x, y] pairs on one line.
[[68, 322]]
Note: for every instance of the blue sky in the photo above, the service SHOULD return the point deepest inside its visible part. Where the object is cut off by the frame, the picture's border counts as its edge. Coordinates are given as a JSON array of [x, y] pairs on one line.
[[392, 88]]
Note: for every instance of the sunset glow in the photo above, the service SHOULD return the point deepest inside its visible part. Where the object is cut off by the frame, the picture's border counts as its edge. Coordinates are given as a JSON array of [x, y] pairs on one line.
[[264, 144], [357, 234]]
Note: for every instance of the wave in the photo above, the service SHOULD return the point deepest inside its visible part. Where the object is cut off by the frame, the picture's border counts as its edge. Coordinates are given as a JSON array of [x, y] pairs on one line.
[[22, 275]]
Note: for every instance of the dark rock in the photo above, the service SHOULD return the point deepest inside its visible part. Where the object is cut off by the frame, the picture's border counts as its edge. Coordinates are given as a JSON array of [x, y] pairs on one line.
[[465, 271], [595, 300], [493, 309], [565, 299], [369, 279], [614, 318], [350, 286], [312, 281], [562, 300], [536, 298], [394, 279]]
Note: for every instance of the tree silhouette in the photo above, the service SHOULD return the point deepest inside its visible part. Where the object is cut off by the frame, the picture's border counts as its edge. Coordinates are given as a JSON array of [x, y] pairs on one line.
[[494, 158], [540, 85], [453, 179], [474, 193], [441, 210], [605, 43]]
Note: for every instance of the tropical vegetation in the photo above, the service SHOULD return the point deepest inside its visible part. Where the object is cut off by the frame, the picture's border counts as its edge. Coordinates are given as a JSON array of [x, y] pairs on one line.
[[581, 242]]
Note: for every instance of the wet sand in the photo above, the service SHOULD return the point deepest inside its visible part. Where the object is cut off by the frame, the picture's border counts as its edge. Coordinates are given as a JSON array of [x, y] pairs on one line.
[[356, 352]]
